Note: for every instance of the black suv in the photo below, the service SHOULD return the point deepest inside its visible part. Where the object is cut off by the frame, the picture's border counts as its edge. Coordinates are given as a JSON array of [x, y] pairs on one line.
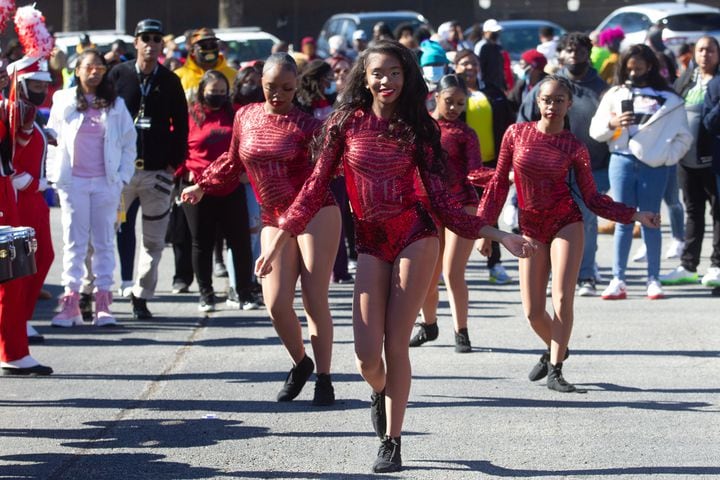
[[346, 23]]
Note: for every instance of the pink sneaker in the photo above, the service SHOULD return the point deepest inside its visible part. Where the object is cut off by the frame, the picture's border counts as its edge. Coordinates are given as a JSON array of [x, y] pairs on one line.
[[103, 317], [70, 314]]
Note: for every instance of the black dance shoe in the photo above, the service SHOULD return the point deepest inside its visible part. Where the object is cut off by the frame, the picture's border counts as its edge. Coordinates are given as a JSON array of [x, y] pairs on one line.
[[139, 308], [388, 457], [426, 333], [36, 371], [296, 379], [324, 391], [462, 341], [540, 370], [557, 382], [378, 415]]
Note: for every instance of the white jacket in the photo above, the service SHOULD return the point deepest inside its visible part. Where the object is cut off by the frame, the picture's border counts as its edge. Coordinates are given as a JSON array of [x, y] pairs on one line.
[[661, 141], [120, 140]]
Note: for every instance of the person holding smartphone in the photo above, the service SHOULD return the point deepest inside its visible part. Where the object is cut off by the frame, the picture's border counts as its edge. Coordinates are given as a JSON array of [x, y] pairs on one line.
[[645, 142]]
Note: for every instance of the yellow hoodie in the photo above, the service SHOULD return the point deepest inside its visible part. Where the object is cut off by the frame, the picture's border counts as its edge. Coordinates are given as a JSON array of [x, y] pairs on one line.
[[191, 73]]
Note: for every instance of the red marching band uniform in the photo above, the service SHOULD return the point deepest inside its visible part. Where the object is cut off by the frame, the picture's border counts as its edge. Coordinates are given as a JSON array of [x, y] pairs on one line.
[[22, 204]]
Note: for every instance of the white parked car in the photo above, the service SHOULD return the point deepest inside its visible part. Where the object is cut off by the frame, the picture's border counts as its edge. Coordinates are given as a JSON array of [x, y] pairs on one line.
[[684, 23], [102, 39]]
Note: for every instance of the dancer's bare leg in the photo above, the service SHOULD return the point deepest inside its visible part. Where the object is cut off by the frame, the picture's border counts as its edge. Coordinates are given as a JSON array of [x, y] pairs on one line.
[[279, 292], [534, 273], [316, 262], [566, 255]]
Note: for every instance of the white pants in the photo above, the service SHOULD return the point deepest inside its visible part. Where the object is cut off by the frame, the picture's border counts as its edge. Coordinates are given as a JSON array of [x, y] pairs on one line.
[[89, 209]]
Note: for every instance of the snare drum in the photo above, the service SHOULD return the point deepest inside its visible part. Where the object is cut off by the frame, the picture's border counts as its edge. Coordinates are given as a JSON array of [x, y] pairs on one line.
[[25, 248], [7, 254]]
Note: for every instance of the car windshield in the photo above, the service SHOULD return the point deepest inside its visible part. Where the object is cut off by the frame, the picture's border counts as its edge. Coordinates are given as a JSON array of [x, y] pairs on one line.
[[518, 39], [246, 50], [694, 22]]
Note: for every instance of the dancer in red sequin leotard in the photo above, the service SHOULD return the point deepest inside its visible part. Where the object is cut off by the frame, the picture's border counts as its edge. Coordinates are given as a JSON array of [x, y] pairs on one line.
[[270, 143], [541, 155], [383, 136], [463, 159]]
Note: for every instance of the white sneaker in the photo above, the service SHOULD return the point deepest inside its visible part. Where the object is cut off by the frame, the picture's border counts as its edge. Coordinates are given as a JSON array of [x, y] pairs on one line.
[[640, 254], [712, 277], [675, 249], [615, 291], [125, 288], [679, 276], [587, 289], [654, 290]]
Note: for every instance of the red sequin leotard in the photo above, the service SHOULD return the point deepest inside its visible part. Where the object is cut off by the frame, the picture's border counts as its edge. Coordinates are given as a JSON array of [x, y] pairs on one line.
[[463, 160], [541, 163], [274, 151], [380, 169]]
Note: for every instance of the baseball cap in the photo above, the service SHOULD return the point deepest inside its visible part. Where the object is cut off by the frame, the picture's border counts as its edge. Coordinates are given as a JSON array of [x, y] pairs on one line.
[[307, 41], [201, 34], [149, 25], [534, 58], [359, 35], [491, 25]]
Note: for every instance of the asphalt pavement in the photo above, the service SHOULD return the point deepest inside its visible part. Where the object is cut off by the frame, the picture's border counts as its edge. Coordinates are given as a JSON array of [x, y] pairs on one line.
[[187, 396]]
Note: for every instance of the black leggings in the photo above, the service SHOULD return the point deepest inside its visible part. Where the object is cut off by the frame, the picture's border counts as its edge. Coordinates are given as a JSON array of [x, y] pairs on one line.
[[230, 214]]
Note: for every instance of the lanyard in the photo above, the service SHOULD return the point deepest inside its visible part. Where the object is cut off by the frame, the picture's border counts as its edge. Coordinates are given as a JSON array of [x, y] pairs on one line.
[[145, 87]]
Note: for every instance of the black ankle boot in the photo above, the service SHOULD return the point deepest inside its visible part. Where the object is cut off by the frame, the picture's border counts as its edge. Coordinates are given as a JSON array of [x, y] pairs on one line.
[[378, 415], [388, 457], [324, 391], [462, 341], [540, 370], [556, 381], [426, 333], [296, 379]]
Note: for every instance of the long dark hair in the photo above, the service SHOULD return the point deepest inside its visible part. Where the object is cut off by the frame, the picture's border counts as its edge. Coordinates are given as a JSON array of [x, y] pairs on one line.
[[198, 104], [414, 124], [645, 53], [105, 93], [238, 98], [310, 85]]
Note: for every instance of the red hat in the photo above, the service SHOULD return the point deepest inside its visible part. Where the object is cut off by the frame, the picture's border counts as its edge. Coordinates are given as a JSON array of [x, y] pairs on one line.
[[307, 41], [534, 58]]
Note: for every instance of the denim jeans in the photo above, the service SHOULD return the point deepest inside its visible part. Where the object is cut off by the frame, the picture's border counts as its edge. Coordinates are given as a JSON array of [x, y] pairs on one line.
[[676, 209], [590, 223], [637, 185], [254, 225]]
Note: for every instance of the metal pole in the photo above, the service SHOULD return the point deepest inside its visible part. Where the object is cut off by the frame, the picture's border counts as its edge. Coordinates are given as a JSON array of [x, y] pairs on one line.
[[120, 16]]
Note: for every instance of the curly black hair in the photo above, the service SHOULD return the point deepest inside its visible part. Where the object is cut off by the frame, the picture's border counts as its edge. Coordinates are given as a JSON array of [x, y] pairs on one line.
[[573, 39]]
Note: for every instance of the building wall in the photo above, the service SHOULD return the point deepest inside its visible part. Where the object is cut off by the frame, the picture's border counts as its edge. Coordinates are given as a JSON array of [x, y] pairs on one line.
[[292, 19]]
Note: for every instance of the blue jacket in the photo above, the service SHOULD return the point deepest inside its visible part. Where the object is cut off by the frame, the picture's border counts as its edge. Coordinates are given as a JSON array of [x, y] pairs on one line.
[[711, 118]]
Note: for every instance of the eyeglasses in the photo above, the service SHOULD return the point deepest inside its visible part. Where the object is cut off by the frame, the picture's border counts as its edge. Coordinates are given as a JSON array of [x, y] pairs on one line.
[[95, 68], [551, 100], [147, 38]]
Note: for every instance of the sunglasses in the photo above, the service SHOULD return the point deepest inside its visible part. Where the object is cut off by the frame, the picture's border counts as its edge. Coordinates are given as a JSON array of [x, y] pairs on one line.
[[95, 68], [147, 38]]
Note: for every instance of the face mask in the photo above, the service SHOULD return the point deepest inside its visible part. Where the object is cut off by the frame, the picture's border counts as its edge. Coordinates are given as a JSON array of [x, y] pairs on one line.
[[215, 100], [209, 56], [36, 99], [577, 69], [433, 73], [639, 80], [253, 92], [331, 89]]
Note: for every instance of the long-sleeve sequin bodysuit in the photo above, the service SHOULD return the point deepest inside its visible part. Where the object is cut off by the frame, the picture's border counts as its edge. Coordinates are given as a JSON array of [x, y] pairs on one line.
[[463, 160], [380, 169], [274, 151], [541, 163]]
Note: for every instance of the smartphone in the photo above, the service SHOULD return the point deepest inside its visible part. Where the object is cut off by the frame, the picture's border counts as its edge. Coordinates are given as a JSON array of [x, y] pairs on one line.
[[626, 106]]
